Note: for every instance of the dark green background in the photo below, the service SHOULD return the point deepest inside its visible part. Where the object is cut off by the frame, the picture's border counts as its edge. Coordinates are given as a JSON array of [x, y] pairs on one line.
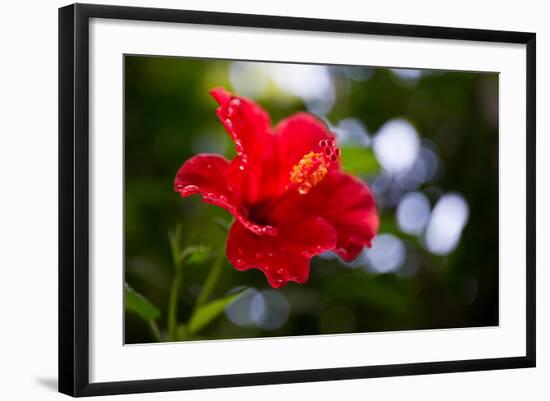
[[169, 114]]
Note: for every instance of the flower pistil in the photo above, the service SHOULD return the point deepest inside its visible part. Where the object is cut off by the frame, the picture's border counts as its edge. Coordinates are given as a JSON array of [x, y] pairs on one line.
[[313, 166]]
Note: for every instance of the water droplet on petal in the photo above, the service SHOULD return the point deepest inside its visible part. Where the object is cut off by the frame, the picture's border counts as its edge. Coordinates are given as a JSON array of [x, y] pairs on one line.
[[304, 188], [187, 189]]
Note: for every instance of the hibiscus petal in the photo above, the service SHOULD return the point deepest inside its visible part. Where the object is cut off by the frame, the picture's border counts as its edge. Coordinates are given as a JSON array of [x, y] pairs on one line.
[[284, 257], [300, 134], [343, 201], [250, 128], [296, 136], [349, 205], [246, 122], [204, 174]]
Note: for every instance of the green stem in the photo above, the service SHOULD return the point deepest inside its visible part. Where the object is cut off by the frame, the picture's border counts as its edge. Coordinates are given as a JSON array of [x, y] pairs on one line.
[[172, 324], [211, 280], [155, 330], [173, 304]]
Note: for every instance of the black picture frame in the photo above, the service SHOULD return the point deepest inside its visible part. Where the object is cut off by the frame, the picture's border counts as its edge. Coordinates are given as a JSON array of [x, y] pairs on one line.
[[74, 198]]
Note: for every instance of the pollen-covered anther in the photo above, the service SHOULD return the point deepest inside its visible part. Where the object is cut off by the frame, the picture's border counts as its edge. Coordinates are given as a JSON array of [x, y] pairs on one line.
[[313, 166]]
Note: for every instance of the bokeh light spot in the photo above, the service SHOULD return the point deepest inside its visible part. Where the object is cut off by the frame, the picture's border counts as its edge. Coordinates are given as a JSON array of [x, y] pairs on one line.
[[413, 213], [312, 83], [408, 75], [269, 309], [387, 253], [351, 131], [396, 145], [239, 311], [249, 79], [448, 219]]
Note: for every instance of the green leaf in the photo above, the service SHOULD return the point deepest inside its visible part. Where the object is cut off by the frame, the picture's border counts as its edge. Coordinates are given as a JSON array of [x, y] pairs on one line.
[[137, 303], [191, 255], [207, 313], [357, 160], [196, 254]]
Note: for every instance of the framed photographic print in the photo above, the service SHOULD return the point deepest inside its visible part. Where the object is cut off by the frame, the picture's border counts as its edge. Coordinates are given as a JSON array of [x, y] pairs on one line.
[[249, 199]]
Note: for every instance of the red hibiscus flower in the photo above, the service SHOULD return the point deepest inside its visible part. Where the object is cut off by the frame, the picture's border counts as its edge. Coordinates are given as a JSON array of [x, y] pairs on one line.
[[285, 189]]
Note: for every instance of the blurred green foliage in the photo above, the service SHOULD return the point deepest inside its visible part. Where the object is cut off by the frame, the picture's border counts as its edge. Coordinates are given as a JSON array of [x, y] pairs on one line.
[[358, 161], [169, 117], [135, 302], [207, 313]]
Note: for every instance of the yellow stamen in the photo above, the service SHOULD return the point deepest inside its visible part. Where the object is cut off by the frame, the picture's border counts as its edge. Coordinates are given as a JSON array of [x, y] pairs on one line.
[[310, 170]]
